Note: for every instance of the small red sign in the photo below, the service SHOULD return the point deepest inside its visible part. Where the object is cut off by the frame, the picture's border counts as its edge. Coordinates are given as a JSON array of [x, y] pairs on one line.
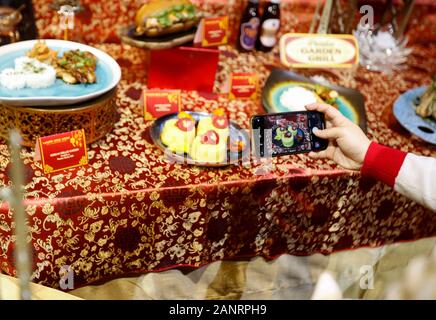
[[62, 151], [215, 31], [158, 103], [243, 86]]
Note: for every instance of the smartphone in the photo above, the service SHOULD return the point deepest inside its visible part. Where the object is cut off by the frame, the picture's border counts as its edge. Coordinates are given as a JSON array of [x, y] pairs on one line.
[[287, 133]]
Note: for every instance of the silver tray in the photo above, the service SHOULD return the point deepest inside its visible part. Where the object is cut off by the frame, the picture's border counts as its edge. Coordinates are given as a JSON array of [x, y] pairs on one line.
[[232, 157]]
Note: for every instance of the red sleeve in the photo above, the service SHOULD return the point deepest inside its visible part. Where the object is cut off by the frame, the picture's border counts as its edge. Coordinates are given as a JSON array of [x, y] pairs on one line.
[[383, 163]]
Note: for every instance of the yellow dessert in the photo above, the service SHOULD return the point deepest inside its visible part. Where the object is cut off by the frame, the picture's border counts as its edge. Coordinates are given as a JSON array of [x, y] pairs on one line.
[[209, 148], [178, 134], [218, 122]]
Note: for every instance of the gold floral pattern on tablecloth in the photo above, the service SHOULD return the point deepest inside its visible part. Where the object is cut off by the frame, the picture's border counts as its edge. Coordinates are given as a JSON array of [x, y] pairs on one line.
[[130, 210]]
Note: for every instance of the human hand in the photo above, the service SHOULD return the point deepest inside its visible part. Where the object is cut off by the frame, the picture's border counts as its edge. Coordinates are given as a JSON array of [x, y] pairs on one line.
[[348, 144]]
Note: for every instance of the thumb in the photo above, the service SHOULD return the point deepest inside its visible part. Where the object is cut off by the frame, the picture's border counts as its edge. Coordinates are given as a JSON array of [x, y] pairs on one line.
[[331, 133]]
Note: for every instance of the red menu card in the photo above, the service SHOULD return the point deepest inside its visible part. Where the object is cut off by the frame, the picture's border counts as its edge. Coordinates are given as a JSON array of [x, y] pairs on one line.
[[62, 151], [214, 31], [184, 68], [243, 86], [158, 103]]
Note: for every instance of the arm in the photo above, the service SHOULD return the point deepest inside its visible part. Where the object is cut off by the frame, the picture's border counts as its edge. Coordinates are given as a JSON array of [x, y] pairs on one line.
[[412, 176]]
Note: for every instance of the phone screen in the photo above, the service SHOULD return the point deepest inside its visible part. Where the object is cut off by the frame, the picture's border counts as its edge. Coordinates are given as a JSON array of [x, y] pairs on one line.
[[287, 133]]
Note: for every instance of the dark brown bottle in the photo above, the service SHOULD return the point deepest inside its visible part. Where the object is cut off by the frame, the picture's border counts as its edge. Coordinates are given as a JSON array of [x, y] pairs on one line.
[[249, 27], [269, 27]]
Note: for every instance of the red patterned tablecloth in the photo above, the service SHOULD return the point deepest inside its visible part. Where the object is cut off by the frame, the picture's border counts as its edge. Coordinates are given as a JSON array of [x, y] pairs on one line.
[[130, 211]]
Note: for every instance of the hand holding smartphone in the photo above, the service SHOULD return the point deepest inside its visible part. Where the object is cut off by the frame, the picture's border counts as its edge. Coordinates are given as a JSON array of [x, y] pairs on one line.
[[287, 133]]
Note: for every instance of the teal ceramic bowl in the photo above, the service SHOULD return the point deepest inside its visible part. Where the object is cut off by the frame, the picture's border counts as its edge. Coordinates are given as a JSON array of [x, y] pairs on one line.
[[108, 75], [351, 102]]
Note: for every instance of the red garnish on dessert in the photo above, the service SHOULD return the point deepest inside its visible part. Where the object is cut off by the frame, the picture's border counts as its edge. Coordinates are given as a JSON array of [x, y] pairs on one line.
[[185, 124], [219, 119], [220, 122], [210, 137]]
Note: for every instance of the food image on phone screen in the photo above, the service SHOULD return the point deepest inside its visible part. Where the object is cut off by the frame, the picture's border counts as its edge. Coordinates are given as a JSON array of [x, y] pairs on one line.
[[287, 133]]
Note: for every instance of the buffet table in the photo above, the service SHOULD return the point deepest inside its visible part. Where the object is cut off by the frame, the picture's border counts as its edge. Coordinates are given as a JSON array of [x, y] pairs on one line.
[[132, 211]]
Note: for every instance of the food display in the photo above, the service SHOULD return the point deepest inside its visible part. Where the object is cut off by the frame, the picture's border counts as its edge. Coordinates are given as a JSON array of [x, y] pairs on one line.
[[209, 147], [82, 73], [157, 18], [206, 143], [43, 53], [286, 91], [178, 134], [201, 138], [28, 73], [415, 111], [74, 66], [427, 102], [41, 66], [218, 122], [296, 97]]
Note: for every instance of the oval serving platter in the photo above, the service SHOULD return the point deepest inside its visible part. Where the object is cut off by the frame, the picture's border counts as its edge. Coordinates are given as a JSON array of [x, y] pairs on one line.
[[236, 132], [405, 112], [108, 74], [351, 102]]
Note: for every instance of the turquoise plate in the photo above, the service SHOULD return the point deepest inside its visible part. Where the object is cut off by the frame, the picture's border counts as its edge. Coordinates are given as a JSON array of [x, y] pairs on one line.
[[351, 102], [108, 74], [404, 111]]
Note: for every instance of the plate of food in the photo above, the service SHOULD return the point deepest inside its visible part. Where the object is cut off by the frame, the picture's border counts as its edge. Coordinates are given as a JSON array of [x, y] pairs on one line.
[[201, 139], [286, 91], [54, 72], [162, 24], [415, 110]]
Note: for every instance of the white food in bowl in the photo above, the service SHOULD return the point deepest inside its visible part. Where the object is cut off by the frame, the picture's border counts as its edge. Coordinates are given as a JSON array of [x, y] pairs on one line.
[[296, 98], [11, 79], [29, 73]]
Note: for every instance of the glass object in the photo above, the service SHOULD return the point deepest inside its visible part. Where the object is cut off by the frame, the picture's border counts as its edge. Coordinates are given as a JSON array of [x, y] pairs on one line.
[[249, 27], [69, 27], [269, 26], [380, 50], [9, 20]]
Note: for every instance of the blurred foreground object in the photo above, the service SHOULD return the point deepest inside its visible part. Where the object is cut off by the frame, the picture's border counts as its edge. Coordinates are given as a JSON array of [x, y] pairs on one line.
[[327, 288], [9, 20], [23, 256], [10, 290], [419, 282], [380, 50], [337, 17]]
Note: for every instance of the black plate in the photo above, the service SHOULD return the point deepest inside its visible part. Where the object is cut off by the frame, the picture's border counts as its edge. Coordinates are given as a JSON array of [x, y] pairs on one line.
[[168, 41], [232, 157]]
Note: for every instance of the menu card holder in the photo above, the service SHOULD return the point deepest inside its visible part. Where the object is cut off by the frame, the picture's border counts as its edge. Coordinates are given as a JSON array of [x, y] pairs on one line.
[[184, 68]]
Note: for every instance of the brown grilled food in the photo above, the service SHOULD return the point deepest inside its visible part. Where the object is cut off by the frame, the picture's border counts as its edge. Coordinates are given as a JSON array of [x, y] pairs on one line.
[[77, 66], [162, 17], [427, 106]]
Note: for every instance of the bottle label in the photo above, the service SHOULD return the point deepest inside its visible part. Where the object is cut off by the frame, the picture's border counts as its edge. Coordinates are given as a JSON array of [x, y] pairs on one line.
[[249, 31], [270, 28]]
